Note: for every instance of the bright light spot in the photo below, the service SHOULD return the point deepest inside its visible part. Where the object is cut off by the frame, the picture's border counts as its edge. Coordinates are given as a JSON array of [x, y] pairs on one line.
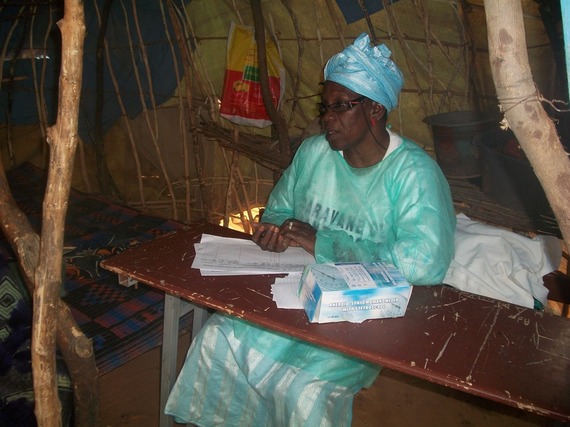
[[241, 222]]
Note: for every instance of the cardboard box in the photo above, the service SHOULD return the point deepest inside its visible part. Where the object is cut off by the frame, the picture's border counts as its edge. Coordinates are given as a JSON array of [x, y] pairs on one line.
[[353, 292]]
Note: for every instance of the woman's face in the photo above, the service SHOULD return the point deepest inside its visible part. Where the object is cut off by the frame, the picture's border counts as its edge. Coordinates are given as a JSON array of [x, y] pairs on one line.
[[345, 130]]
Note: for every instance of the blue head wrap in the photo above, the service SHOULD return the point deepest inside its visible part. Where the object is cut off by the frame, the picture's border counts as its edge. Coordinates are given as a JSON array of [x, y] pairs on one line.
[[367, 70]]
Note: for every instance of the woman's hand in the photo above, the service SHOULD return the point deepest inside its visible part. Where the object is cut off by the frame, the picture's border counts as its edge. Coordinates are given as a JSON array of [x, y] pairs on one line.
[[268, 237], [299, 233], [271, 238]]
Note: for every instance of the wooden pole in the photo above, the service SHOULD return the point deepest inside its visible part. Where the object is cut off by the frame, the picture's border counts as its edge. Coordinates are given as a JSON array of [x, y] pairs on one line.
[[125, 117], [184, 143], [76, 348], [152, 127], [188, 44], [520, 101], [300, 53], [104, 177], [62, 138], [274, 114]]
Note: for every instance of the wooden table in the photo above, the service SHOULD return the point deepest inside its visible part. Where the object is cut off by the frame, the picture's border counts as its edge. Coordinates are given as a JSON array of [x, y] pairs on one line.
[[503, 352]]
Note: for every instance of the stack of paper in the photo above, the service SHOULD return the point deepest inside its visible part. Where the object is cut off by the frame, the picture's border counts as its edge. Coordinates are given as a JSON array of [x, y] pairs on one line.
[[285, 290], [223, 256]]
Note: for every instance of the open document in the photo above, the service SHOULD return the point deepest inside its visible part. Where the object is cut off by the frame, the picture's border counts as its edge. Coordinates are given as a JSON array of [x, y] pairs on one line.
[[222, 256], [225, 256]]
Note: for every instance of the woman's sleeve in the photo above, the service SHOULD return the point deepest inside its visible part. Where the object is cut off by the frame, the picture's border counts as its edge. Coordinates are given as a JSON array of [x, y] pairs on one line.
[[340, 246], [425, 228], [281, 204]]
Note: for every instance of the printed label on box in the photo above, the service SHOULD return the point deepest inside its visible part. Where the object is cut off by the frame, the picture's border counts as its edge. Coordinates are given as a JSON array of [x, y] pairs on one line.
[[353, 292], [356, 276]]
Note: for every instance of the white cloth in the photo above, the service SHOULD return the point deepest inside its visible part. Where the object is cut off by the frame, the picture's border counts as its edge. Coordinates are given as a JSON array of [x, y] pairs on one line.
[[500, 264]]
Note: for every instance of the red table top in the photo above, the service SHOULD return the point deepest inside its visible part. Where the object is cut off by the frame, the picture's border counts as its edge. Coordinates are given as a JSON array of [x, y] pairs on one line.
[[500, 351]]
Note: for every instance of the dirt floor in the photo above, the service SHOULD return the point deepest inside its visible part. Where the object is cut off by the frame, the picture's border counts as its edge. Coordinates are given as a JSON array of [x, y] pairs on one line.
[[396, 400], [130, 398]]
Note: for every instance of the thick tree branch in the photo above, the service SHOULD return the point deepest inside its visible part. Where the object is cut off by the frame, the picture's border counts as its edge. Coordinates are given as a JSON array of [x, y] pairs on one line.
[[76, 348], [62, 138], [520, 101]]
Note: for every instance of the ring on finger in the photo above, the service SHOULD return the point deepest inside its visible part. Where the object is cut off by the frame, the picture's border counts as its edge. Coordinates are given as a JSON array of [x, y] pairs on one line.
[[290, 225]]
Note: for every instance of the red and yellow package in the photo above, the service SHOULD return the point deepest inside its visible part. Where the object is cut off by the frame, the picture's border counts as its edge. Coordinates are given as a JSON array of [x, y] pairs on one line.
[[241, 98]]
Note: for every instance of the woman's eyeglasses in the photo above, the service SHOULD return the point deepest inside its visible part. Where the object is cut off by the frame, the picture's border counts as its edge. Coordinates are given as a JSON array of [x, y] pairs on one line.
[[339, 107]]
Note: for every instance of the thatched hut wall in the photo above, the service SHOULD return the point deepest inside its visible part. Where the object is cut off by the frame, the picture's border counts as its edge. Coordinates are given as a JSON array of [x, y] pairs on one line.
[[440, 45]]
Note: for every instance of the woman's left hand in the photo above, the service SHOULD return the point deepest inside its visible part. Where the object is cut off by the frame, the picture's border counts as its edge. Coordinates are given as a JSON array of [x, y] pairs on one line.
[[300, 233]]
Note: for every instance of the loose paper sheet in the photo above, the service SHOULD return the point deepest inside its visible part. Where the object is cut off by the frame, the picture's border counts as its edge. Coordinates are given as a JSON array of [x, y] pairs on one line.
[[284, 291]]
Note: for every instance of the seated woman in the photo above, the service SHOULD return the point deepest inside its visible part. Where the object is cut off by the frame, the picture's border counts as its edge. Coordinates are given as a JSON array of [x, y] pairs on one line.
[[358, 192]]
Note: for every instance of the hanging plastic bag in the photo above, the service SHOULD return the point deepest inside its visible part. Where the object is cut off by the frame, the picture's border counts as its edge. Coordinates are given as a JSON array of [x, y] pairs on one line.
[[242, 102]]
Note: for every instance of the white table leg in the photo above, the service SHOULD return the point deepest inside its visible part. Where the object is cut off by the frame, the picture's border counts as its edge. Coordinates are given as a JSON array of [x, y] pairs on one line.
[[174, 308], [200, 316], [169, 353]]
